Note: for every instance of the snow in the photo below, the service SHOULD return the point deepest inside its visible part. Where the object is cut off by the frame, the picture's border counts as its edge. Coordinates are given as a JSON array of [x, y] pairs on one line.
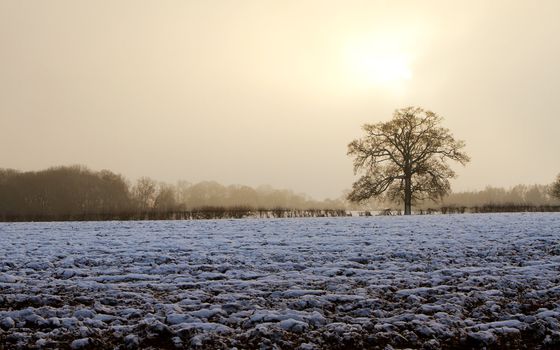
[[7, 323], [458, 281], [293, 325], [5, 278], [80, 343]]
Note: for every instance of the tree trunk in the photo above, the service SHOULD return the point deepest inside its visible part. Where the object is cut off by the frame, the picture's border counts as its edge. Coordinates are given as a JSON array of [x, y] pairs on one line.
[[407, 195]]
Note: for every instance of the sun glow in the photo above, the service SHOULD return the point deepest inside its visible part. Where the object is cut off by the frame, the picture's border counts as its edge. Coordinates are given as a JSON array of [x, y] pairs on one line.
[[378, 64]]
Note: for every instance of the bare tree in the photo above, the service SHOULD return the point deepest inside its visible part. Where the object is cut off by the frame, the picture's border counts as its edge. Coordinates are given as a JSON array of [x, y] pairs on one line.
[[405, 159], [555, 188]]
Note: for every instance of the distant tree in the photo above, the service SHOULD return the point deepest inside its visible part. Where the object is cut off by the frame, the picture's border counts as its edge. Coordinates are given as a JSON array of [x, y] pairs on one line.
[[555, 188], [238, 195], [206, 193], [405, 159], [113, 193], [165, 198], [144, 193]]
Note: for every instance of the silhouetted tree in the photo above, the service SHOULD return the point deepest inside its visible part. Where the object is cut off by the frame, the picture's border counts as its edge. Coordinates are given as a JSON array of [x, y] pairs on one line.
[[405, 158]]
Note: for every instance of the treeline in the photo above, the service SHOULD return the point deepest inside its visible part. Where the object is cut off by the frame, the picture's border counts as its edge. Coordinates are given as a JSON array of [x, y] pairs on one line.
[[78, 193], [520, 195], [520, 198]]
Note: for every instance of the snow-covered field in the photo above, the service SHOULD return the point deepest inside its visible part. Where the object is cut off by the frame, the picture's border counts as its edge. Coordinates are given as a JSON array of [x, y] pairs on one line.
[[458, 281]]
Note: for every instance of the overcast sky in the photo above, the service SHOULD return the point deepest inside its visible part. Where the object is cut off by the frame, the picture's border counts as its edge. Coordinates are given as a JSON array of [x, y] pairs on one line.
[[271, 92]]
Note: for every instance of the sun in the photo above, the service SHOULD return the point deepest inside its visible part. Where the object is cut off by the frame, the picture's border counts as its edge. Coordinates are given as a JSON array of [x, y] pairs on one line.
[[383, 68], [378, 64]]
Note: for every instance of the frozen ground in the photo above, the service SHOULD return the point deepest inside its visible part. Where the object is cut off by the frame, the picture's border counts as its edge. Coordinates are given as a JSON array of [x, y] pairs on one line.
[[467, 281]]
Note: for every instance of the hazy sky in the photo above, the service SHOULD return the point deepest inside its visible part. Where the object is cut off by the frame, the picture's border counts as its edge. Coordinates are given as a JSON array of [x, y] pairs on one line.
[[271, 92]]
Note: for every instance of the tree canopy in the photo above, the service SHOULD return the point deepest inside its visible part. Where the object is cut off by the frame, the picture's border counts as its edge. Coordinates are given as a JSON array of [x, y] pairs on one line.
[[405, 159]]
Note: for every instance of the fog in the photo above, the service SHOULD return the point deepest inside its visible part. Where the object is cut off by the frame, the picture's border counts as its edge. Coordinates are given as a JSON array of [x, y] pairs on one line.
[[260, 92]]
